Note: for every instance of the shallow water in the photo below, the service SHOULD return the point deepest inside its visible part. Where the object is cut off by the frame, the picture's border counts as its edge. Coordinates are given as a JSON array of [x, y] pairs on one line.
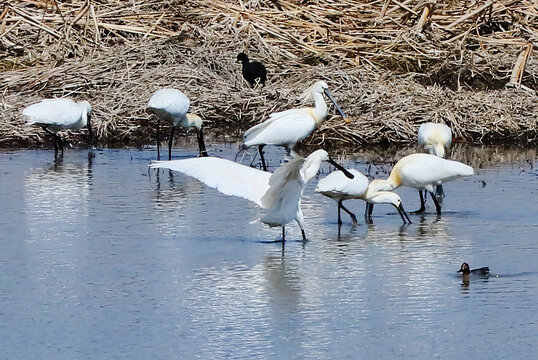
[[102, 259]]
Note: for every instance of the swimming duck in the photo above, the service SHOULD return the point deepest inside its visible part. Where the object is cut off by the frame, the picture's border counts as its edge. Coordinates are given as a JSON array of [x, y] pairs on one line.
[[252, 70], [466, 270]]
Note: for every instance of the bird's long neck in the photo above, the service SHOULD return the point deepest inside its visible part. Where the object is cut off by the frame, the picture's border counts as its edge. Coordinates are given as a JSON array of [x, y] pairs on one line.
[[320, 110], [310, 168], [391, 183]]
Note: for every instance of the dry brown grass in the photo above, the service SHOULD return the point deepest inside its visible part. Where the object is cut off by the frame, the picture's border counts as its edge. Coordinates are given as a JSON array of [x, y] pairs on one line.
[[390, 66]]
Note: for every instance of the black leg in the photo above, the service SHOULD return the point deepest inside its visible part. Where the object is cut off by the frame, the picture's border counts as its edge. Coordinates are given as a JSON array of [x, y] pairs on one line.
[[439, 191], [260, 149], [283, 233], [303, 234], [170, 141], [436, 202], [158, 139], [353, 217], [422, 204], [201, 144], [55, 145], [339, 206], [61, 144], [368, 213]]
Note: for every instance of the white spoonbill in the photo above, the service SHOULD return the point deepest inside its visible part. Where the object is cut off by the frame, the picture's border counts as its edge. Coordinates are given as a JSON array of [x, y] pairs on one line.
[[54, 115], [172, 105], [286, 128], [437, 139], [278, 193], [422, 171], [339, 187]]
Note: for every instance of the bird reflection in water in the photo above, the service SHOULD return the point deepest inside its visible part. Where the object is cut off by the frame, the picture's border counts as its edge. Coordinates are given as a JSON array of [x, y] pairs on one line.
[[58, 194], [283, 281]]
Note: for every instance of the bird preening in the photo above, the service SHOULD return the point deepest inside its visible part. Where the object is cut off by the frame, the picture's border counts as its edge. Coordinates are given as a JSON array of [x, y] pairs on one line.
[[55, 115], [437, 139], [252, 71], [172, 105], [279, 193]]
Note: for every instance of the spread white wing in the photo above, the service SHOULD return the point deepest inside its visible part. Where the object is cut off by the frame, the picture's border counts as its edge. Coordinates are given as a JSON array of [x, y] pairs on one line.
[[226, 176]]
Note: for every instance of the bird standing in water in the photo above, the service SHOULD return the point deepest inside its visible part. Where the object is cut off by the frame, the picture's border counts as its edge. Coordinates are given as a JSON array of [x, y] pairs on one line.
[[286, 128], [422, 171], [278, 193], [339, 187], [54, 115], [172, 105], [252, 70]]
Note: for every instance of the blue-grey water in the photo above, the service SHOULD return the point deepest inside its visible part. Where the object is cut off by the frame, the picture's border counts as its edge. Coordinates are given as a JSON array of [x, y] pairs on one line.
[[101, 259]]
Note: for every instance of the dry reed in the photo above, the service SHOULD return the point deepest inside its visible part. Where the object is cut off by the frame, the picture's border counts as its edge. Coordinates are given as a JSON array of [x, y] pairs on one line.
[[392, 65]]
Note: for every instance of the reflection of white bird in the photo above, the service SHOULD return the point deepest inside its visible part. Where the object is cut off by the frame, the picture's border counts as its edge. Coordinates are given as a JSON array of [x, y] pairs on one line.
[[278, 193], [286, 128], [172, 105], [437, 139], [54, 115], [339, 187], [422, 171]]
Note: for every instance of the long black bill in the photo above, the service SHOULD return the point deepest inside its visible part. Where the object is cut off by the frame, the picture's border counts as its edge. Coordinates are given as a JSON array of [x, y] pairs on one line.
[[201, 144], [328, 93], [402, 213], [339, 167], [91, 137]]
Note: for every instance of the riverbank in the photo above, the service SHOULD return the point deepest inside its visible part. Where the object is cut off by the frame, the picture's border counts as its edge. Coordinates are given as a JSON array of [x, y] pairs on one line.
[[388, 82]]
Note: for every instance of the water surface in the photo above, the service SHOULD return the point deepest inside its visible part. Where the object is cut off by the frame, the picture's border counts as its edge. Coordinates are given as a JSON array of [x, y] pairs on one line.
[[102, 259]]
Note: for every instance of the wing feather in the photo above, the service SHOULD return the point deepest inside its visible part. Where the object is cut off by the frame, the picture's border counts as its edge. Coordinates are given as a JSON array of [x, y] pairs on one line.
[[284, 128], [226, 176]]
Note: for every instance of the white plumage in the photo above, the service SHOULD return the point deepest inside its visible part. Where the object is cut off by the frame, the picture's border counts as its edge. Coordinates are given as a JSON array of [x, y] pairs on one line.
[[422, 171], [436, 138], [339, 187], [54, 115], [278, 193], [173, 106], [286, 128]]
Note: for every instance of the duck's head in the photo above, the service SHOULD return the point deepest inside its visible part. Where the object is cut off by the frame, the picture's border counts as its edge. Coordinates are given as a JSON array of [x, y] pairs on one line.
[[464, 269]]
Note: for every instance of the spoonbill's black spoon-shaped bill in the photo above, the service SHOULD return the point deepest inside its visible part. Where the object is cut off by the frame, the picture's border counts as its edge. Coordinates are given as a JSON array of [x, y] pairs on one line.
[[252, 70], [173, 106], [286, 128], [339, 187], [279, 193], [54, 115], [422, 171]]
